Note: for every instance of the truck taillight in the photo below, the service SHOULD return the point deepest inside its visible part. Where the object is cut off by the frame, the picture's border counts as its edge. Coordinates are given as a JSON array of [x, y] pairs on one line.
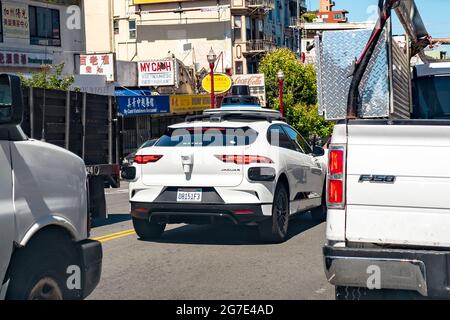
[[336, 177], [144, 159], [336, 162], [243, 159]]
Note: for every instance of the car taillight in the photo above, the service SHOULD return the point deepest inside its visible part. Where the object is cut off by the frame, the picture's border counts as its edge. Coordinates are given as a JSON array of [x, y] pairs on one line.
[[336, 177], [144, 159], [243, 159]]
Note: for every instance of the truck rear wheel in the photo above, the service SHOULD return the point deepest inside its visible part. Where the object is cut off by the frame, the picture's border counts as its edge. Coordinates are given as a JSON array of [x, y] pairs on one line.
[[39, 271], [147, 230]]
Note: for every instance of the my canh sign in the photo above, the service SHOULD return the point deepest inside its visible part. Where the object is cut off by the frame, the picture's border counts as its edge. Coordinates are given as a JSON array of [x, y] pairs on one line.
[[157, 72], [222, 83]]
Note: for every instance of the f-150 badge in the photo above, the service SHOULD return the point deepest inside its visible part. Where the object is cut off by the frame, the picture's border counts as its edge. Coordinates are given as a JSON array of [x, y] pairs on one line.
[[376, 179]]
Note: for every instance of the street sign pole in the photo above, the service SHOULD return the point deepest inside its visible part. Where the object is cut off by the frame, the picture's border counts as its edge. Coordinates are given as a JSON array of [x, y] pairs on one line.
[[211, 57], [213, 98]]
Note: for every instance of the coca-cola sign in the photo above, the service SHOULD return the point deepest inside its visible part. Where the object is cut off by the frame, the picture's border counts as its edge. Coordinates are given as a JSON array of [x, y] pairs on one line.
[[252, 80], [256, 82]]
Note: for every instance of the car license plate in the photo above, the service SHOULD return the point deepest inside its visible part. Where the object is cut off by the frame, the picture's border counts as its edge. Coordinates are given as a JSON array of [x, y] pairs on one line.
[[193, 195]]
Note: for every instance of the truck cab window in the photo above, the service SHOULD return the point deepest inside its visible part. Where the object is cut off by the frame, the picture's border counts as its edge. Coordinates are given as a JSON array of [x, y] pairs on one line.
[[432, 98]]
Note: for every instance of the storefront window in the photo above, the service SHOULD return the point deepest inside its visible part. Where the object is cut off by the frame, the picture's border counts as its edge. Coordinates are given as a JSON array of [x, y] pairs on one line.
[[237, 28], [239, 67], [1, 24], [44, 26], [132, 28]]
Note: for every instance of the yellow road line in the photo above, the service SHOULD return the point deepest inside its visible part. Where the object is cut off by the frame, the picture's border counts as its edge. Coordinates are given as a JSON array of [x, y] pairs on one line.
[[113, 234], [116, 235]]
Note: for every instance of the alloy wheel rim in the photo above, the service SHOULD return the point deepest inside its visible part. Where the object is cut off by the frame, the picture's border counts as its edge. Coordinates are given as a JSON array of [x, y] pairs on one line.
[[281, 209]]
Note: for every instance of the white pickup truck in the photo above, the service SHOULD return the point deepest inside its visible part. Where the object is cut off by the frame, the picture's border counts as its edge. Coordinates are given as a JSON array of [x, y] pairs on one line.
[[388, 199], [44, 222]]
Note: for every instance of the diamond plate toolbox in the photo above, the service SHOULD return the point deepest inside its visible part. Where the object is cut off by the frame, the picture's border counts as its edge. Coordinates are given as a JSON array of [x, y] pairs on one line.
[[337, 53]]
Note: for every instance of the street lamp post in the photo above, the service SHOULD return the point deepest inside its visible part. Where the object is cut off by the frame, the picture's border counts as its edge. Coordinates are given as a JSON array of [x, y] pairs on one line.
[[212, 61], [280, 76]]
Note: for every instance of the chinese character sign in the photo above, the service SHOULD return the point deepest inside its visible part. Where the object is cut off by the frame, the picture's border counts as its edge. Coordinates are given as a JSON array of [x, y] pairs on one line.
[[142, 105], [98, 64], [15, 20], [25, 59]]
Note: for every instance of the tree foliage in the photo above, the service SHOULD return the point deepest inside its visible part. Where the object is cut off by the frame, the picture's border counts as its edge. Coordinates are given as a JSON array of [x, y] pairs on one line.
[[309, 16], [299, 79], [299, 92], [50, 78]]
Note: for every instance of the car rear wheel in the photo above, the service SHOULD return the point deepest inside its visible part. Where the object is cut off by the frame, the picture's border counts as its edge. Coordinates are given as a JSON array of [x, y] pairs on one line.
[[274, 230], [148, 230]]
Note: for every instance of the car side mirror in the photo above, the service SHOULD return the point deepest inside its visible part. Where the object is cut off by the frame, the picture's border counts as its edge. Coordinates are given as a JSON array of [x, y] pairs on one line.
[[318, 151], [11, 100]]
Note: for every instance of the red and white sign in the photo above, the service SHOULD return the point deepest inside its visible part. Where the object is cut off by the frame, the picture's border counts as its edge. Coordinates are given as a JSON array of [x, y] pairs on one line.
[[256, 82], [98, 64], [157, 72]]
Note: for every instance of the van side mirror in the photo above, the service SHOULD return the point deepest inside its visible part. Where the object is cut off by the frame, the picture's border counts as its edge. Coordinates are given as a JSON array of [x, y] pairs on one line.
[[11, 100], [318, 151]]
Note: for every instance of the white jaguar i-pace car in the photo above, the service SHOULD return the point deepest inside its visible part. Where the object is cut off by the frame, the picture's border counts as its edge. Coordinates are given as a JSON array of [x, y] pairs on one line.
[[239, 165]]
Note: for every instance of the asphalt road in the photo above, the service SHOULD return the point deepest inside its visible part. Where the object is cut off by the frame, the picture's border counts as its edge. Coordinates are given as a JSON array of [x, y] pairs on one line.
[[208, 262]]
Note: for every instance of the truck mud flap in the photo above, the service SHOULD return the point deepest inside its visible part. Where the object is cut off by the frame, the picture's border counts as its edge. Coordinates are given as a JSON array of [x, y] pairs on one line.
[[97, 199]]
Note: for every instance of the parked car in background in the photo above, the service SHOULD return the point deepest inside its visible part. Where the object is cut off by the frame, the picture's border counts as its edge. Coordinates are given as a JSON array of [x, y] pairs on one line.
[[240, 101], [129, 159], [239, 165]]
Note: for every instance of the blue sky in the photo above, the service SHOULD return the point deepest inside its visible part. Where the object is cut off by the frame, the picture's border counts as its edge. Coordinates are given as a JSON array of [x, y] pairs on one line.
[[435, 13]]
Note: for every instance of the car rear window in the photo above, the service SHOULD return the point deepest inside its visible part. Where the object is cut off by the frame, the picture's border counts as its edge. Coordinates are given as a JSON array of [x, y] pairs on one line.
[[208, 137]]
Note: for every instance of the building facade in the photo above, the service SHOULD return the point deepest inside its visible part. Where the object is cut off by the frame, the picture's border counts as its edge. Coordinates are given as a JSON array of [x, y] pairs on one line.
[[239, 31], [41, 32], [327, 13]]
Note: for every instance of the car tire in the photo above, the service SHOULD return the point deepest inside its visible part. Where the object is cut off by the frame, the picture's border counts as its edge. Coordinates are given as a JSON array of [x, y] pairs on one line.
[[319, 214], [354, 293], [147, 230], [275, 229], [40, 270]]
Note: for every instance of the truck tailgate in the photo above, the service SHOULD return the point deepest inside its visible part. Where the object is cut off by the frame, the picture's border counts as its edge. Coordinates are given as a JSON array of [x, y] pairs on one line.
[[415, 208]]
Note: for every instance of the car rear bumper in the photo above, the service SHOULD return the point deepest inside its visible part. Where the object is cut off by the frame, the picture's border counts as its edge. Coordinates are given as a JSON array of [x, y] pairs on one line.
[[201, 213], [424, 271]]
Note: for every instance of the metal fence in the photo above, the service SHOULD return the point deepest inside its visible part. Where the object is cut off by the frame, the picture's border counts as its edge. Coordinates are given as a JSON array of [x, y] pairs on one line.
[[80, 122]]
